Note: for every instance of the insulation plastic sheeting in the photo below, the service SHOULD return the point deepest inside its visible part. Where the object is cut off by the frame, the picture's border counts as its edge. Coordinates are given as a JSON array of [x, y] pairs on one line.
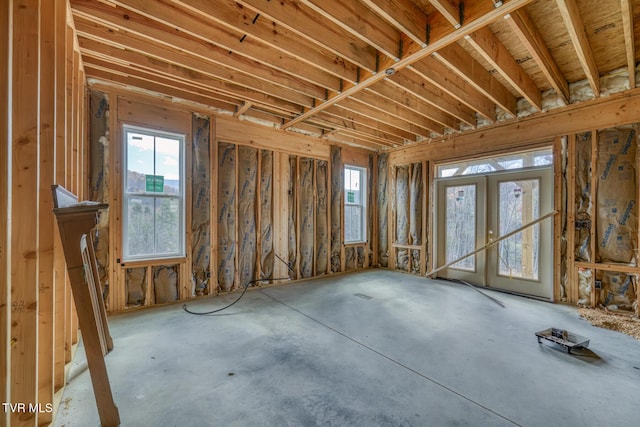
[[136, 285], [583, 198], [337, 187], [415, 214], [383, 213], [226, 215], [266, 214], [98, 176], [165, 283], [200, 209], [617, 196], [322, 231], [247, 172], [293, 246], [306, 217], [402, 216], [617, 290]]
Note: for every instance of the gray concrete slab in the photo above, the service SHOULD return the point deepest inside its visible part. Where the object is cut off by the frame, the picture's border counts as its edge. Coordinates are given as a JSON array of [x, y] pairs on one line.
[[364, 349]]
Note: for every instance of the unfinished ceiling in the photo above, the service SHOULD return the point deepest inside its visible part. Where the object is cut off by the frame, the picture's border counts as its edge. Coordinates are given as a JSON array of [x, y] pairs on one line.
[[372, 73]]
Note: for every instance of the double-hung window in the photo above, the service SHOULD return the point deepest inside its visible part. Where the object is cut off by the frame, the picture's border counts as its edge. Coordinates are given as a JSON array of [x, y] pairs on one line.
[[355, 204], [153, 204]]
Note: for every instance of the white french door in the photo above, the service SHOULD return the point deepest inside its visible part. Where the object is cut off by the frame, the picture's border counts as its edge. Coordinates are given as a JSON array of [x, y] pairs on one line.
[[474, 210]]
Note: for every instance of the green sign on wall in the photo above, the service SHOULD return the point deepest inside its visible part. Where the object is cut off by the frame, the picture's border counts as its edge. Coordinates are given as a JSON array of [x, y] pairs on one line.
[[351, 197], [155, 183]]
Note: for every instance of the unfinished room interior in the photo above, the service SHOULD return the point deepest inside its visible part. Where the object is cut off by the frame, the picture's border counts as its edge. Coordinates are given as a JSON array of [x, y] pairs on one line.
[[319, 212]]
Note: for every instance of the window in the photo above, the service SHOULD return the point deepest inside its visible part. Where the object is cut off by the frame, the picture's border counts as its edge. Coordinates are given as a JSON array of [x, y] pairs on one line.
[[153, 194], [355, 206], [531, 159]]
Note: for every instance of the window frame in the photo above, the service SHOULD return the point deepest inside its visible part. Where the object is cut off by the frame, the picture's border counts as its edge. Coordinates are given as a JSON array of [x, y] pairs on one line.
[[126, 196], [363, 204]]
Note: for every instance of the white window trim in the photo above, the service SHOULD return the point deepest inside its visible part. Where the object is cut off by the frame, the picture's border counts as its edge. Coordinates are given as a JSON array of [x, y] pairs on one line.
[[363, 180], [181, 253]]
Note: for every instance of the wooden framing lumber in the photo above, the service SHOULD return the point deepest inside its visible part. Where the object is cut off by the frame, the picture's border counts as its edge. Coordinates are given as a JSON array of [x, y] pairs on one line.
[[593, 188], [557, 220], [572, 271], [494, 52], [573, 21], [46, 284], [524, 27], [5, 209], [24, 141], [629, 40], [449, 10]]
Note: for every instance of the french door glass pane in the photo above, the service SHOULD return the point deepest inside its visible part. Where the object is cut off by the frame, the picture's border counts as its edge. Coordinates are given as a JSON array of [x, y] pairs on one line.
[[519, 204], [460, 233]]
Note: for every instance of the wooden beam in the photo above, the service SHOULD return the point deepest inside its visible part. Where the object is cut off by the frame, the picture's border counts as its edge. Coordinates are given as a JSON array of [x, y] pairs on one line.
[[232, 16], [99, 21], [46, 297], [524, 27], [357, 19], [379, 138], [434, 96], [242, 109], [310, 26], [60, 179], [573, 21], [174, 62], [572, 270], [404, 15], [480, 16], [349, 116], [24, 142], [557, 224], [615, 110], [494, 52], [437, 74], [449, 10], [459, 61], [5, 207], [629, 40], [155, 13]]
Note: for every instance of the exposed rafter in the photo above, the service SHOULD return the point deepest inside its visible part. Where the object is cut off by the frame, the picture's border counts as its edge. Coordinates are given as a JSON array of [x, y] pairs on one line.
[[444, 39], [530, 37], [449, 10], [494, 52], [573, 21], [629, 40]]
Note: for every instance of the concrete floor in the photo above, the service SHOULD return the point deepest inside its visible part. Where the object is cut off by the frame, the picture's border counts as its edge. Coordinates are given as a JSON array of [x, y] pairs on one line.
[[375, 348]]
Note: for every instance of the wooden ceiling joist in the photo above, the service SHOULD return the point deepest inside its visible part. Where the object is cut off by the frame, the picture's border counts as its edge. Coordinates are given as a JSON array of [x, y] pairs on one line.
[[434, 96], [573, 21], [232, 41], [109, 24], [449, 10], [459, 61], [343, 114], [230, 16], [629, 39], [309, 25], [403, 15], [530, 37], [437, 74], [395, 93], [494, 52], [444, 38], [357, 19], [195, 69]]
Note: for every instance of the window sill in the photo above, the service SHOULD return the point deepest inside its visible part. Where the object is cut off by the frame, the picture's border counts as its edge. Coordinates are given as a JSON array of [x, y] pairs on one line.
[[355, 244], [153, 262]]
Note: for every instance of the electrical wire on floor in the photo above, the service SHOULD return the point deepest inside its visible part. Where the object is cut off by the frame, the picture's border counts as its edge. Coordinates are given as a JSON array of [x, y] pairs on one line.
[[246, 286]]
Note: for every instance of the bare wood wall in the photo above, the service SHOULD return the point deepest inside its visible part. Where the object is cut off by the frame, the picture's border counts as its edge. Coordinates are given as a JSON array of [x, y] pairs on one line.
[[42, 102]]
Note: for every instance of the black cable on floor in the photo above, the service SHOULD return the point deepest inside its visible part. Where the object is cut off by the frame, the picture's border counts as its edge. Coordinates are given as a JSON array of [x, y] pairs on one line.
[[246, 286]]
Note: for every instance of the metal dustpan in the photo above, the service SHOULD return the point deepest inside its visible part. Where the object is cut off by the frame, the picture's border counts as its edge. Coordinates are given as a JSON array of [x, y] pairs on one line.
[[562, 337]]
